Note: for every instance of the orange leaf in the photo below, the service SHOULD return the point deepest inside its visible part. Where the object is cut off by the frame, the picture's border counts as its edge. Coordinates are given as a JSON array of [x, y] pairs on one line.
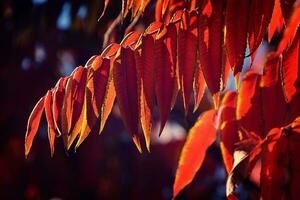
[[130, 39], [49, 116], [97, 78], [136, 7], [126, 6], [58, 99], [125, 81], [165, 62], [109, 99], [110, 50], [67, 107], [77, 100], [200, 138], [144, 5], [158, 10], [33, 124], [165, 5], [198, 86]]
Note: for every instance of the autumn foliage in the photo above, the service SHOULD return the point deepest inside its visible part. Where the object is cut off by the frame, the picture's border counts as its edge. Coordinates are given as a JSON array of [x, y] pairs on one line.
[[191, 46]]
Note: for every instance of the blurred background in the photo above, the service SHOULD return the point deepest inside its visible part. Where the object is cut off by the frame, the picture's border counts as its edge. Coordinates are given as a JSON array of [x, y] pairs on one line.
[[42, 40]]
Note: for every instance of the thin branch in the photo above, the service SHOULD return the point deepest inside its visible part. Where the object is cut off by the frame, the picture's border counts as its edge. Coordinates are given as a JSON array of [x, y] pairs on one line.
[[108, 33]]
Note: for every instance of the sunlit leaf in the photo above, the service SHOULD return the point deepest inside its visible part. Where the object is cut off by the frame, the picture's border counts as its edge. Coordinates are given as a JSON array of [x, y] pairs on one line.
[[33, 124], [199, 139], [248, 110], [198, 86], [49, 116], [277, 21], [58, 99]]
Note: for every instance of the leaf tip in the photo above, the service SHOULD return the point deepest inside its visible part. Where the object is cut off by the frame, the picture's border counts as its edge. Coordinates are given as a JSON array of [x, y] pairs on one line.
[[137, 143]]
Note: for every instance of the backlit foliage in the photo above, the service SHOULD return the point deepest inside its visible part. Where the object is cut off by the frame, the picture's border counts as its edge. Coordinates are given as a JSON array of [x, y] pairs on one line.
[[193, 45]]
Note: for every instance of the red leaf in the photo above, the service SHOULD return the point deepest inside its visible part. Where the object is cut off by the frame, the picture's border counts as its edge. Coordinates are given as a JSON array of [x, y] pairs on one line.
[[51, 127], [227, 107], [287, 8], [294, 143], [274, 164], [290, 31], [228, 127], [165, 62], [290, 70], [187, 49], [200, 138], [277, 21], [144, 55], [33, 124], [165, 5], [236, 22], [272, 96], [125, 81], [248, 111], [244, 162], [211, 46], [158, 9], [260, 17], [280, 164], [229, 138]]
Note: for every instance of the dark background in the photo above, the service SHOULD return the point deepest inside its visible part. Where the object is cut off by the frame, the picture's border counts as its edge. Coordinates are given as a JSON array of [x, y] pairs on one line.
[[42, 40]]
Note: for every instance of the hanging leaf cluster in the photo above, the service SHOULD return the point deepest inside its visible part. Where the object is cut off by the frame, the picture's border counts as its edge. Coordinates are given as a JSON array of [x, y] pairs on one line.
[[193, 45]]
